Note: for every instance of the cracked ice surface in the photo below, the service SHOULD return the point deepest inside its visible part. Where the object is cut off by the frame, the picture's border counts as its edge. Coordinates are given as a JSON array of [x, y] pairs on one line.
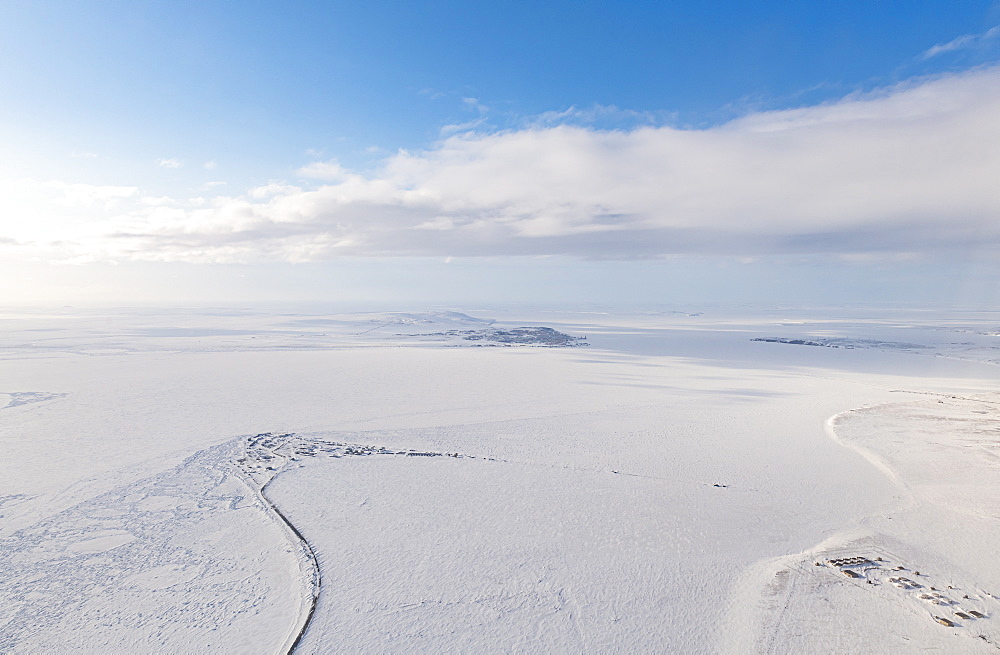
[[184, 561]]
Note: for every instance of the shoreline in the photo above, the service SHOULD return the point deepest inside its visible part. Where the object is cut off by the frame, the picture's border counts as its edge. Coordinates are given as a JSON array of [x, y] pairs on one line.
[[904, 579]]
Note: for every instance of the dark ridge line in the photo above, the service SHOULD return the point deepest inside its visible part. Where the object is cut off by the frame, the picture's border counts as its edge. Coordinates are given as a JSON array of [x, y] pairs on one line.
[[307, 547], [312, 558], [304, 543]]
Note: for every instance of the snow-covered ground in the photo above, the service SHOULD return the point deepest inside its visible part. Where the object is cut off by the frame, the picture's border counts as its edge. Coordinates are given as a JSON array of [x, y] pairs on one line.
[[181, 480], [927, 578]]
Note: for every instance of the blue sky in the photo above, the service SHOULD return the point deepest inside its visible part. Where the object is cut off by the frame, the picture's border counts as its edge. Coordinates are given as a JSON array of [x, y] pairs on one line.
[[476, 147]]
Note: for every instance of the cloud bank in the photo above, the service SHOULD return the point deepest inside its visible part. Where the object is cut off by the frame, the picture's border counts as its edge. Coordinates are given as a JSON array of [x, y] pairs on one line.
[[911, 168]]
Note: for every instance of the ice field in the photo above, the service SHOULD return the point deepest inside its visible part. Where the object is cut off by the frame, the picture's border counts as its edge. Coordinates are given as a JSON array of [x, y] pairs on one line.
[[498, 480]]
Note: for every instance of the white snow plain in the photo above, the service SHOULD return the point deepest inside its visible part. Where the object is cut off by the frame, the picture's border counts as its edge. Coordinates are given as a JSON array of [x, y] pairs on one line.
[[249, 481]]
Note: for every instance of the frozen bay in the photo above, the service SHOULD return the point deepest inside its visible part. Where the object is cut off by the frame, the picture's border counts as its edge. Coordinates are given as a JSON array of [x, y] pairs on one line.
[[609, 496]]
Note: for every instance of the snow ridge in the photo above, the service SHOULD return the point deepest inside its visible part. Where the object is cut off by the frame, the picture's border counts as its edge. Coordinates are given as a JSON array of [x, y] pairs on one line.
[[266, 455]]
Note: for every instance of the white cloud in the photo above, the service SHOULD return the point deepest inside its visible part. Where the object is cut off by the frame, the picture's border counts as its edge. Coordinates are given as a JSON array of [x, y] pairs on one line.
[[602, 115], [273, 189], [154, 201], [469, 104], [88, 194], [907, 169], [961, 43], [169, 163], [37, 214], [475, 105], [329, 171], [456, 128], [210, 165]]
